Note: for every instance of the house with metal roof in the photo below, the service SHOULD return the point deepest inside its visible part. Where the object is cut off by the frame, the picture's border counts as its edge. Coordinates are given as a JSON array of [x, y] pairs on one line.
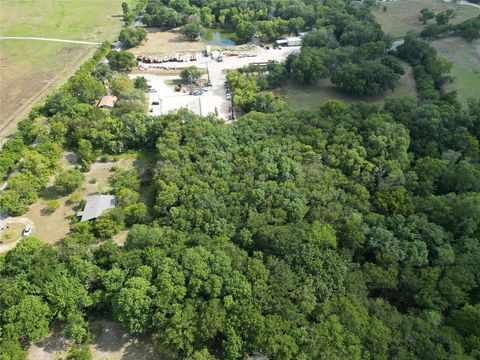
[[95, 206]]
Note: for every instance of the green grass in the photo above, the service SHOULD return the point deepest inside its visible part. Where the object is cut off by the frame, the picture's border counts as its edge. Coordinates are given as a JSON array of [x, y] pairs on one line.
[[29, 68], [89, 20], [466, 66], [402, 16], [311, 97]]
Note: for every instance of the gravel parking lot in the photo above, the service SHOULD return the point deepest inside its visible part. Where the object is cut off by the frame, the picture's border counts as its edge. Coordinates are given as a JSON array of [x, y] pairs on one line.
[[215, 97]]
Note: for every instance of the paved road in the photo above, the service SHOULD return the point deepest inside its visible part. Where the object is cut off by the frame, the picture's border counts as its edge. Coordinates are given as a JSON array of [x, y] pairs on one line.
[[48, 39], [463, 2]]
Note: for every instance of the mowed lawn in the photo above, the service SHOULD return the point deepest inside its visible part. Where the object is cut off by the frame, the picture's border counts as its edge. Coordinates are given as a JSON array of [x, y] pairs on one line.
[[402, 15], [167, 43], [465, 57], [303, 97], [29, 68]]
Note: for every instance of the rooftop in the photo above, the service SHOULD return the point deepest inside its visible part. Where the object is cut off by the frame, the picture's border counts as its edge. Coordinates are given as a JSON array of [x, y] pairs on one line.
[[96, 205], [107, 101]]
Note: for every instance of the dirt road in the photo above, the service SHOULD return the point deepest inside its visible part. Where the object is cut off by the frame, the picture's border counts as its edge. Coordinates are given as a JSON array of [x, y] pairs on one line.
[[48, 39]]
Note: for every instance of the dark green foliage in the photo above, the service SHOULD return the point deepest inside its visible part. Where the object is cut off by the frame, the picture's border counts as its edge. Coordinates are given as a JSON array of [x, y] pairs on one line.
[[141, 83], [190, 74], [68, 181], [121, 60], [369, 77], [192, 30], [346, 232], [132, 37], [317, 223]]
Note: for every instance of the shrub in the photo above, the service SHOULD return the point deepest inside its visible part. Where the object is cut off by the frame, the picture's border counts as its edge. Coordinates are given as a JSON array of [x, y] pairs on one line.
[[52, 205], [74, 199], [68, 181]]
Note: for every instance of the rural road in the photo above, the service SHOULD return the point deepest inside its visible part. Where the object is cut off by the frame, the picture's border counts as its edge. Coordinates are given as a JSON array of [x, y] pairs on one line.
[[48, 39]]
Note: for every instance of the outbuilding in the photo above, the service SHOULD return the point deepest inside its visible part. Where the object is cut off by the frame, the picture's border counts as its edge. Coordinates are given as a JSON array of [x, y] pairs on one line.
[[95, 206], [290, 41]]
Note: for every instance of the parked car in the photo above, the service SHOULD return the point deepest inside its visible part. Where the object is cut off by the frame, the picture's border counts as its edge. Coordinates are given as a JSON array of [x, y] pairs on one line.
[[27, 231], [155, 103], [229, 96], [197, 92]]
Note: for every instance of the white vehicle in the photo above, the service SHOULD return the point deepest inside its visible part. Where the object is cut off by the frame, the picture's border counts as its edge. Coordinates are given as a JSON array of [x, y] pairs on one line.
[[27, 231], [229, 96]]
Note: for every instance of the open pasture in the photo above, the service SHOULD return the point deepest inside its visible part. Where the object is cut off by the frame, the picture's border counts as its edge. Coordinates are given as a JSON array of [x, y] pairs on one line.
[[30, 68], [402, 15]]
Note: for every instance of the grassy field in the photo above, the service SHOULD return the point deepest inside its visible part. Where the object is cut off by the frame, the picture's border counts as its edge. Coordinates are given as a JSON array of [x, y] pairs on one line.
[[167, 43], [29, 68], [402, 15], [465, 57], [311, 97]]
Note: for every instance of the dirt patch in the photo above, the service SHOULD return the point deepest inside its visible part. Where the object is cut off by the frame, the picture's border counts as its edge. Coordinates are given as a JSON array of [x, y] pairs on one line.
[[110, 342], [113, 342], [120, 238], [166, 42]]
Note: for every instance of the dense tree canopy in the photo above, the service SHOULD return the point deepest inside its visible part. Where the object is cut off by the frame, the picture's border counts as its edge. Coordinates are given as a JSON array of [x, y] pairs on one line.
[[349, 231]]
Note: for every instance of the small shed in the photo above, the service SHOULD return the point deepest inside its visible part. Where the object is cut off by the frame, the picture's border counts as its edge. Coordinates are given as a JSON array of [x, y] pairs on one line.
[[95, 206], [108, 101], [290, 41]]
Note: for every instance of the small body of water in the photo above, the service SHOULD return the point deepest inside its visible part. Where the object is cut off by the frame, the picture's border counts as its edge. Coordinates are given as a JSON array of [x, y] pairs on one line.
[[220, 37]]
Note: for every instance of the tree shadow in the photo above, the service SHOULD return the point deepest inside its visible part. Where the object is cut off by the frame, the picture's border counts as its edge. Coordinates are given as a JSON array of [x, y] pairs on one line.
[[49, 193], [54, 344], [109, 335], [141, 349]]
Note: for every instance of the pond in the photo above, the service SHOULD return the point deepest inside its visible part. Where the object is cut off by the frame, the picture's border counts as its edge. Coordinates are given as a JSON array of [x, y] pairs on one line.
[[220, 37]]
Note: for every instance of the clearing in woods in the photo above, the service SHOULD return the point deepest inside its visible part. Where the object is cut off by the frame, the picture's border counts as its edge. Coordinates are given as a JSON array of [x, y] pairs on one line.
[[166, 43], [402, 15], [465, 57], [52, 227], [311, 97], [28, 68]]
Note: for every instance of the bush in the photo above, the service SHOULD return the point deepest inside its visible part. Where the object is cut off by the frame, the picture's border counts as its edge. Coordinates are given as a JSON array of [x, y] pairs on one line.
[[74, 199], [132, 37], [79, 353], [68, 181], [52, 205], [190, 71]]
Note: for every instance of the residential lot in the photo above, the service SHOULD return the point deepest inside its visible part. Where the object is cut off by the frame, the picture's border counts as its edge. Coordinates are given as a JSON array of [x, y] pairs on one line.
[[30, 68], [214, 100], [52, 227]]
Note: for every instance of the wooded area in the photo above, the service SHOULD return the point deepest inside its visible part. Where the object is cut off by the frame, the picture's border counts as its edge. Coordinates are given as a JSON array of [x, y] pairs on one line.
[[347, 232]]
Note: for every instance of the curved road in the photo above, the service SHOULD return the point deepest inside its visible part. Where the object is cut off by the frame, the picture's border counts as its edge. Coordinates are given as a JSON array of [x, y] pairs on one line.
[[48, 39]]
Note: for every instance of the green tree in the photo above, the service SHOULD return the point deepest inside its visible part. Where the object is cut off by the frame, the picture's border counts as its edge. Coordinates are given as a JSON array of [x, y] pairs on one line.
[[85, 87], [68, 181], [192, 30], [425, 15], [191, 72], [132, 305], [121, 60], [132, 37], [29, 319]]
